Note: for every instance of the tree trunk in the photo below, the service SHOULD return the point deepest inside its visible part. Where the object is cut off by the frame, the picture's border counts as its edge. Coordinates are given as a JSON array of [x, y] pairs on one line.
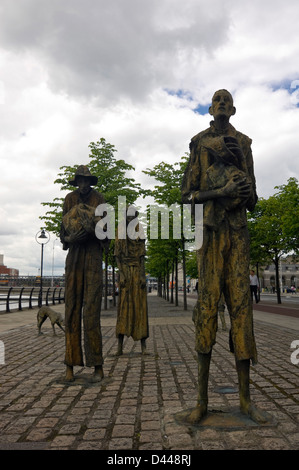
[[276, 262], [106, 280], [114, 288], [184, 277], [259, 284], [159, 287], [172, 282], [167, 281], [176, 283]]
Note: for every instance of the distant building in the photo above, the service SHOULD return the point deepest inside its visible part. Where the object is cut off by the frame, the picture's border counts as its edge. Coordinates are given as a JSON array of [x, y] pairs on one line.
[[288, 272], [5, 271]]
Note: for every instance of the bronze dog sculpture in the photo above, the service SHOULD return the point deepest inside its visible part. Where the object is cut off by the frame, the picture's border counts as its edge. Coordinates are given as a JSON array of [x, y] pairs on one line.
[[55, 318]]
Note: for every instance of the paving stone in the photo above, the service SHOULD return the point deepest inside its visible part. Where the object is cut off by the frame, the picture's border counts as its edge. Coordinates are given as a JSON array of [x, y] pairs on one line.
[[90, 445], [63, 441], [70, 429], [39, 434], [94, 434], [123, 430], [120, 444], [150, 425], [150, 436]]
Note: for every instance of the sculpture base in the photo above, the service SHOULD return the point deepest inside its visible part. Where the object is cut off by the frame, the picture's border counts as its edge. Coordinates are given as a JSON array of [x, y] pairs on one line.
[[230, 420]]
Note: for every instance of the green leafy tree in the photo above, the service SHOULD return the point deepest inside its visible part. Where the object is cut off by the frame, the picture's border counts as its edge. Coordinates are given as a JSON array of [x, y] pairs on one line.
[[112, 182], [191, 265], [170, 178], [274, 227], [159, 262], [267, 238], [288, 196], [166, 193]]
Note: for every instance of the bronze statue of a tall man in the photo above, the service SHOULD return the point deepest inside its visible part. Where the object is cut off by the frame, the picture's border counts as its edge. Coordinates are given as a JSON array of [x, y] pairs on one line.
[[83, 275], [220, 176]]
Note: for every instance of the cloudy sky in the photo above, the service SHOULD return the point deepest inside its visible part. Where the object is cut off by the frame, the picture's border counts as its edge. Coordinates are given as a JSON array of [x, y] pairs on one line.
[[141, 74]]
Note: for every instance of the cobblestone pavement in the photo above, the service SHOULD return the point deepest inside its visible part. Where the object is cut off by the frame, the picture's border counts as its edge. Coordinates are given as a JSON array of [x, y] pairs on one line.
[[140, 403]]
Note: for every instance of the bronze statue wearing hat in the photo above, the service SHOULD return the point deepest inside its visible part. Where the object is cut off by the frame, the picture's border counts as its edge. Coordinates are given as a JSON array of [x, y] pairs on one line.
[[83, 275], [83, 170]]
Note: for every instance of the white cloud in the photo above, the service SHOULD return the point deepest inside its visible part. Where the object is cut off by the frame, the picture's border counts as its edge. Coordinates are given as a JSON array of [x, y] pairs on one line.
[[107, 50], [75, 71]]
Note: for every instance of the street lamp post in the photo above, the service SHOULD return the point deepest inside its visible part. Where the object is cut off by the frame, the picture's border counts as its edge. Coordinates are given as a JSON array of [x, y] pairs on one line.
[[42, 238]]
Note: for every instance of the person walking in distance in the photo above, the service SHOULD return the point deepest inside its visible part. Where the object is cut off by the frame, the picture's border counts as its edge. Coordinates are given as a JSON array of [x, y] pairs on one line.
[[254, 286]]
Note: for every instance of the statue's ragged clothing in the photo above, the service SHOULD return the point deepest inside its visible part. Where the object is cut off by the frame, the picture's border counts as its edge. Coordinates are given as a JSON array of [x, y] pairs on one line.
[[223, 260], [83, 282], [132, 311]]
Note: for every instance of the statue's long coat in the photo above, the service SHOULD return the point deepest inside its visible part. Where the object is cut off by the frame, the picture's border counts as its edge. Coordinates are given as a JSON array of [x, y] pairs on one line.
[[83, 283], [132, 313]]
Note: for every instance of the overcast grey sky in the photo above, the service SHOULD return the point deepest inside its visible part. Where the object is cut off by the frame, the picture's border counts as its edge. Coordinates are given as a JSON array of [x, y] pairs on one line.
[[141, 74]]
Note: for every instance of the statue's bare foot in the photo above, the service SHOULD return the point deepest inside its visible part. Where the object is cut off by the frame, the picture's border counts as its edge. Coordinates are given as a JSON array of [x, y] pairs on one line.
[[258, 416], [98, 374], [69, 376], [197, 414]]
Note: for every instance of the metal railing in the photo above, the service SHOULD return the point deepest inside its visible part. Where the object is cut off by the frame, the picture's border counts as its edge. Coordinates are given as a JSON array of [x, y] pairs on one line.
[[18, 298]]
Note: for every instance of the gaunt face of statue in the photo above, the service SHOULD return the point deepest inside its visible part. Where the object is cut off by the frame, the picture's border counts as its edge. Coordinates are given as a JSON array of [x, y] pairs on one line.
[[222, 105], [83, 184]]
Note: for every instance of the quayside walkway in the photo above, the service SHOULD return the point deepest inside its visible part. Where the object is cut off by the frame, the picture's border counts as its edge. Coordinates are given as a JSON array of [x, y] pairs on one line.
[[139, 404]]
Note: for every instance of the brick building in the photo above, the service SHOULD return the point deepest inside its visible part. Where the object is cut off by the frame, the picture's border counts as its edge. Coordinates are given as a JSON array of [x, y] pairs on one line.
[[5, 271]]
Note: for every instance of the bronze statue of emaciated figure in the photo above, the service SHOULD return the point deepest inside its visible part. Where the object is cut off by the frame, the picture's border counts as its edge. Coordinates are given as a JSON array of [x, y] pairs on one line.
[[132, 310], [83, 275], [220, 176]]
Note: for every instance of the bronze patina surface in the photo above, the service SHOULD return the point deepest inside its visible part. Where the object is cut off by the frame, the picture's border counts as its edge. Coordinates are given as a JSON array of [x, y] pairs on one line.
[[220, 176], [83, 276], [132, 310]]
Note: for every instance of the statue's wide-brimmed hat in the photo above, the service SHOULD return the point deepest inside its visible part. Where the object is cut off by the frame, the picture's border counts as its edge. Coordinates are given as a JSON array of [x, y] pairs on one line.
[[83, 170]]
